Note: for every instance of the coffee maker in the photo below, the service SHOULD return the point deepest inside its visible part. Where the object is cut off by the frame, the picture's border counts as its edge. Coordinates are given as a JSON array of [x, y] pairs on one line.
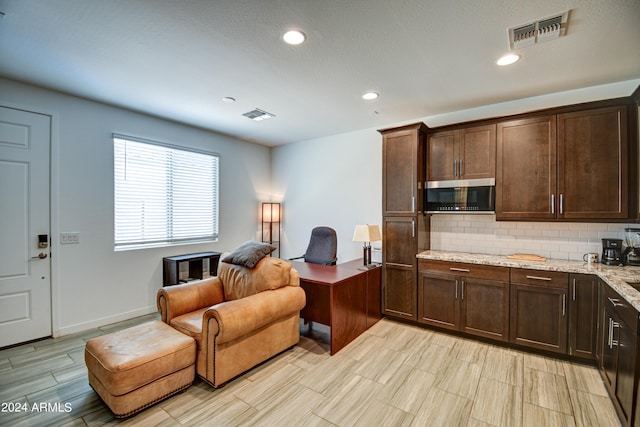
[[612, 251], [631, 255]]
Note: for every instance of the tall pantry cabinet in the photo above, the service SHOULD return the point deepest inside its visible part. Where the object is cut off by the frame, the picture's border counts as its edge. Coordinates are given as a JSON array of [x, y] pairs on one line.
[[405, 227]]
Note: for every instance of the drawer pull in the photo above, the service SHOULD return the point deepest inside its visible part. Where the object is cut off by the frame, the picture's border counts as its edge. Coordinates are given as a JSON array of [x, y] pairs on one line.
[[614, 301], [463, 270], [548, 279]]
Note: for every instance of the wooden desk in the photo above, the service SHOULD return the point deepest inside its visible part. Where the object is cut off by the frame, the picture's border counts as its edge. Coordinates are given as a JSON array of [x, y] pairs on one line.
[[342, 297]]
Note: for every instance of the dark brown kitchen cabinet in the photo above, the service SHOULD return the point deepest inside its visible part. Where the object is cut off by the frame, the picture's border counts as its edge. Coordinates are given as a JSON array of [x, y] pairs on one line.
[[583, 315], [539, 309], [405, 228], [526, 169], [470, 298], [403, 170], [462, 154], [618, 360], [570, 166]]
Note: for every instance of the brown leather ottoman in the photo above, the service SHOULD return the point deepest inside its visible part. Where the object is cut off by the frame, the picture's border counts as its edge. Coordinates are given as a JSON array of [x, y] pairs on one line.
[[139, 366]]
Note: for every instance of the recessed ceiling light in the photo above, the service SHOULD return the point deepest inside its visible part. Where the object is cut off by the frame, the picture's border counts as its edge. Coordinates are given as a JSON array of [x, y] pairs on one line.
[[228, 99], [370, 95], [508, 59], [294, 37]]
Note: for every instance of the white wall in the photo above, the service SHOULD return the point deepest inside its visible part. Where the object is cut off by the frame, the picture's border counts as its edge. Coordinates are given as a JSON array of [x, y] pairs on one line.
[[93, 285], [334, 181]]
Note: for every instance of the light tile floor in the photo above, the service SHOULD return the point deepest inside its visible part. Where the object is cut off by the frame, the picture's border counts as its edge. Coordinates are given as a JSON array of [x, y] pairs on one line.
[[392, 375]]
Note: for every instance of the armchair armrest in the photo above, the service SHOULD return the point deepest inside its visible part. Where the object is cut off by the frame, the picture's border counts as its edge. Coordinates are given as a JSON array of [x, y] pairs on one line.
[[239, 317], [173, 301]]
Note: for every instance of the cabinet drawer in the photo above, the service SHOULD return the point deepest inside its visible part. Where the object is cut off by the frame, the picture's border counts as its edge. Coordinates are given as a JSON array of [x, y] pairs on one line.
[[465, 269], [619, 305], [551, 279]]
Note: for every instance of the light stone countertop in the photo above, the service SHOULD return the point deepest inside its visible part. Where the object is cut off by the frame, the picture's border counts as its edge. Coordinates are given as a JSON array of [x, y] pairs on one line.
[[616, 277]]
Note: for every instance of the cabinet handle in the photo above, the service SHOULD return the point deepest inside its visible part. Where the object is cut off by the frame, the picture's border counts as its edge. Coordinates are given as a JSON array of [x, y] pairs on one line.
[[413, 228], [548, 279], [561, 204], [553, 204], [463, 290], [614, 301], [464, 270], [455, 170], [413, 203], [574, 289], [456, 289], [564, 304], [460, 168], [610, 336]]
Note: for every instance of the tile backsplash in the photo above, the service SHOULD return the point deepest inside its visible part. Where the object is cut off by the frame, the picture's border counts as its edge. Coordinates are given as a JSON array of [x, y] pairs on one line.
[[483, 234]]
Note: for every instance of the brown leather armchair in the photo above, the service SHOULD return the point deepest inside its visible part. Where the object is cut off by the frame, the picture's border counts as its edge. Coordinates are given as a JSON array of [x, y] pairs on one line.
[[239, 318]]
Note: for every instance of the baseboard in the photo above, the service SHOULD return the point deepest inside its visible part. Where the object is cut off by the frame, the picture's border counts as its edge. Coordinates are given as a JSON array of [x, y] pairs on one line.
[[103, 321]]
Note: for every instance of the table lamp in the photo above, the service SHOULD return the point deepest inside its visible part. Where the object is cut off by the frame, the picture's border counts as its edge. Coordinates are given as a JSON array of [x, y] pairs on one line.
[[366, 234]]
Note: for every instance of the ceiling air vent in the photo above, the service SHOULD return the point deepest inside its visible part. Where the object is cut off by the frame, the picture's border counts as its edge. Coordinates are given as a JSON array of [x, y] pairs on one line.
[[539, 31], [258, 115]]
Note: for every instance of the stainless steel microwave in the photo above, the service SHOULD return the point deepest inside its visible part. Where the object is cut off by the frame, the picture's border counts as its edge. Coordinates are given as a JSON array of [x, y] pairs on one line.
[[461, 196]]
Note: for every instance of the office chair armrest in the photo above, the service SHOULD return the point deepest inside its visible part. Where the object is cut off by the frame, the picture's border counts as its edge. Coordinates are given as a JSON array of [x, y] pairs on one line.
[[298, 257]]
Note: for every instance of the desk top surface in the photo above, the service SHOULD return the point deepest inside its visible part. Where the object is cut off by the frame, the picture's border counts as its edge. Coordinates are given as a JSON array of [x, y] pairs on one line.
[[328, 274]]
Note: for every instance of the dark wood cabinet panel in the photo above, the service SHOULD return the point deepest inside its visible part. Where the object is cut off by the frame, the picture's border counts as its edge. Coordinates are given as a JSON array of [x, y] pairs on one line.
[[485, 308], [400, 240], [468, 153], [592, 160], [538, 317], [450, 297], [618, 351], [526, 168], [583, 311], [399, 291], [438, 303]]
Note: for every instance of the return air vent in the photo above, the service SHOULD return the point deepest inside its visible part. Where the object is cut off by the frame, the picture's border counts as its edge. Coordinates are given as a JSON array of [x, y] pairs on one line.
[[258, 115], [539, 31]]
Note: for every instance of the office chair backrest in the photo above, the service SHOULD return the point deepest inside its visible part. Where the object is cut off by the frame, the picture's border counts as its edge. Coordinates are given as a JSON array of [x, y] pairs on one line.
[[323, 246]]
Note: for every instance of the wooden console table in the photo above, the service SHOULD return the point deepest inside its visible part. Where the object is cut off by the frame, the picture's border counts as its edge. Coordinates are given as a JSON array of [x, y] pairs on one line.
[[342, 297]]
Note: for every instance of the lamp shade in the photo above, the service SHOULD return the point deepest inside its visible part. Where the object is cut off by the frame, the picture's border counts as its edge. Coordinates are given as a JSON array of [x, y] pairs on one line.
[[271, 212], [366, 233]]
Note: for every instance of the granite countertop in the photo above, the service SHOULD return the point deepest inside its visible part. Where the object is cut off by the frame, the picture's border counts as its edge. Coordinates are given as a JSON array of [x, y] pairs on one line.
[[616, 277]]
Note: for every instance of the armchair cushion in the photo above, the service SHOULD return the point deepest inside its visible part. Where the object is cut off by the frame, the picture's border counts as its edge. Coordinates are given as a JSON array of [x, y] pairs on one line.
[[249, 253], [268, 274]]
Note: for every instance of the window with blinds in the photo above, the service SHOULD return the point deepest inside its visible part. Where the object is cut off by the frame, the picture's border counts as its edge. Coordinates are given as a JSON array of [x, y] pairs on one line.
[[163, 195]]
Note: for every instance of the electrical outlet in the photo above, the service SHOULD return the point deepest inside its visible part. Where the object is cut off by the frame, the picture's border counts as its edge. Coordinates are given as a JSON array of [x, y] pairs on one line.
[[69, 237]]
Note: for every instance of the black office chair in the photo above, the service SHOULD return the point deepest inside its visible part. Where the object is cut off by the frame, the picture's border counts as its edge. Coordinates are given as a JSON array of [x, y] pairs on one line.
[[322, 248]]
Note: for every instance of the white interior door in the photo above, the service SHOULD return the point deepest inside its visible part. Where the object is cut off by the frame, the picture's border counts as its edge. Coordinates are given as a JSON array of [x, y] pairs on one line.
[[25, 279]]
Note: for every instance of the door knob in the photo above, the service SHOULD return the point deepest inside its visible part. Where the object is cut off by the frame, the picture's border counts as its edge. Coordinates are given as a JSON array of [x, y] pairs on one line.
[[41, 255]]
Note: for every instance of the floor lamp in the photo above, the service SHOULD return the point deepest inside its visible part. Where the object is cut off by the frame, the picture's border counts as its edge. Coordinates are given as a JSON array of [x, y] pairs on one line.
[[271, 217]]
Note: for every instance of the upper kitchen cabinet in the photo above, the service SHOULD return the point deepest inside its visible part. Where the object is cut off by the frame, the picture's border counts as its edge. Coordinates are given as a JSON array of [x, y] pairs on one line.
[[592, 164], [462, 154], [526, 169], [570, 166], [403, 167]]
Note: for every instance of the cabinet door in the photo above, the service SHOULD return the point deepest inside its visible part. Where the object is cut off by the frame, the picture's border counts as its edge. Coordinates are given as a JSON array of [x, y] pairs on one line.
[[399, 245], [592, 164], [526, 169], [477, 152], [399, 291], [609, 357], [583, 311], [438, 300], [400, 172], [538, 317], [625, 339], [442, 156], [485, 308]]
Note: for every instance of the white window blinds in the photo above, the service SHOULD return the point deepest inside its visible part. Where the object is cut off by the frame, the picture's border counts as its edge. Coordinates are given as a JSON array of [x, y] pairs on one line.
[[163, 195]]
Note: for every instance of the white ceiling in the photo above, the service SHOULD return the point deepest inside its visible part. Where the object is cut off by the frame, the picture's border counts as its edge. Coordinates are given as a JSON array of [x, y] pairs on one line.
[[178, 58]]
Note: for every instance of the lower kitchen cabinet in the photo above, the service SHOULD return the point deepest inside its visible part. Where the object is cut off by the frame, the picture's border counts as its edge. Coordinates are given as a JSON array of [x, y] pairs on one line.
[[399, 291], [619, 346], [539, 309], [464, 297], [583, 315]]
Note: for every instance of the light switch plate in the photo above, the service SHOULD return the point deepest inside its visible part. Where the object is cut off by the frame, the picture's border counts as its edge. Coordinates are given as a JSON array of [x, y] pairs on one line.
[[69, 237]]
